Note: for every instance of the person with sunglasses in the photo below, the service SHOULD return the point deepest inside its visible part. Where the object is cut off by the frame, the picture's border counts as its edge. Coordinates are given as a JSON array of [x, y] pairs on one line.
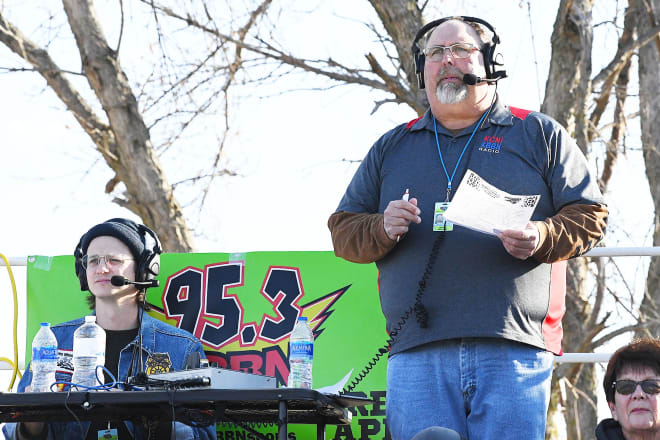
[[632, 389]]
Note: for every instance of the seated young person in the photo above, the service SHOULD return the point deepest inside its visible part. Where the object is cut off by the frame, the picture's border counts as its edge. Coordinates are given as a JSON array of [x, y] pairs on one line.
[[118, 247], [632, 389]]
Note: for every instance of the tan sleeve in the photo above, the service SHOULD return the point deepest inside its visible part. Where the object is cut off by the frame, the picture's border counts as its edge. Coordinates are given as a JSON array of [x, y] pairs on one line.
[[574, 230], [359, 237]]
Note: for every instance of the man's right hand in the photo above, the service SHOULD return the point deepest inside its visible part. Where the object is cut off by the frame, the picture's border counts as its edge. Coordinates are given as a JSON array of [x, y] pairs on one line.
[[398, 215]]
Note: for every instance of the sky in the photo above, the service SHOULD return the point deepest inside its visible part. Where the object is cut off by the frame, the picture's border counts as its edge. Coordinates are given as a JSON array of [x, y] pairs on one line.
[[294, 152]]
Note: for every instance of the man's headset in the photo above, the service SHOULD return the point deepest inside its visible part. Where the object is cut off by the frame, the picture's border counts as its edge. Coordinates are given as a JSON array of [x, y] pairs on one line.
[[488, 51], [135, 236]]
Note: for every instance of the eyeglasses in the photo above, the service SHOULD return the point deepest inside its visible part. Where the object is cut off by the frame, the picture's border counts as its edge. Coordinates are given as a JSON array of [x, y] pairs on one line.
[[457, 50], [625, 386], [94, 261]]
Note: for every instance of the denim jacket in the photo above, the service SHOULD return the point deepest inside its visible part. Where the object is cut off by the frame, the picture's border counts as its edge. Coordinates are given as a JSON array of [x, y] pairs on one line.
[[157, 338]]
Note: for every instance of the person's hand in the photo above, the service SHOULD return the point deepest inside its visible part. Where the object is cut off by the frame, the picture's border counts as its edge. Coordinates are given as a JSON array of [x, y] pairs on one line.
[[520, 243], [398, 215]]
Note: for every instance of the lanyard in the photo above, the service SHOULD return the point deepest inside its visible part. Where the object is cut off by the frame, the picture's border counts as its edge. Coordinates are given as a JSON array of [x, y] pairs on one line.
[[437, 142]]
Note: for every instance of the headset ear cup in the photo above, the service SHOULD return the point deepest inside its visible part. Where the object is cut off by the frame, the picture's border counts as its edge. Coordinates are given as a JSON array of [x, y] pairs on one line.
[[149, 264], [420, 61], [487, 53], [81, 273], [154, 266]]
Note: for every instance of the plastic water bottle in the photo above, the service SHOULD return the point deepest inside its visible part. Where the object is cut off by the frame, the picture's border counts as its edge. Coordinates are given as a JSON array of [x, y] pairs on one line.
[[88, 352], [44, 359], [301, 353]]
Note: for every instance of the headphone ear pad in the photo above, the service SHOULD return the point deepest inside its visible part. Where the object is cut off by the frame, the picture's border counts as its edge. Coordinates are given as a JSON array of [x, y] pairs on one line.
[[420, 61], [81, 273], [489, 63], [153, 266], [148, 265]]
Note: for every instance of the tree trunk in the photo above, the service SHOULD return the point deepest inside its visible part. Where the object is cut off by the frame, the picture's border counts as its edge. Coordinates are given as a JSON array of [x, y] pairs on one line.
[[581, 389], [569, 80], [567, 90], [649, 80], [402, 20], [148, 193]]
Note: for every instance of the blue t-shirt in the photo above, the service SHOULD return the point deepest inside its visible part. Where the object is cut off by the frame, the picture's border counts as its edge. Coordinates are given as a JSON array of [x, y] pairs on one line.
[[475, 288]]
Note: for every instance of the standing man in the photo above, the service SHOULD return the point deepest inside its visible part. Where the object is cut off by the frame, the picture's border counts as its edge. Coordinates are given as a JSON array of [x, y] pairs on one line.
[[484, 312]]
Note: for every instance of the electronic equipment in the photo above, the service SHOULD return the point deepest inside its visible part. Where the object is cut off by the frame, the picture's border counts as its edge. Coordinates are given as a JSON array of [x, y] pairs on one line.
[[488, 51], [142, 241], [213, 378], [118, 281]]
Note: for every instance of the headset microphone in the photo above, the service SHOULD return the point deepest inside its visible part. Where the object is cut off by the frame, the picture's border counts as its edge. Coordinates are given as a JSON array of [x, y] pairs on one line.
[[471, 79], [119, 281]]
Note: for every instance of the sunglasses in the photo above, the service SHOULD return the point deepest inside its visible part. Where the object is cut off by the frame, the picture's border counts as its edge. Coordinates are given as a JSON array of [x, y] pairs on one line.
[[625, 386]]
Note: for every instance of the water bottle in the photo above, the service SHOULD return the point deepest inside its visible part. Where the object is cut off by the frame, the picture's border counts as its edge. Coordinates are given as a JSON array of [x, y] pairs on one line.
[[301, 352], [88, 352], [44, 359]]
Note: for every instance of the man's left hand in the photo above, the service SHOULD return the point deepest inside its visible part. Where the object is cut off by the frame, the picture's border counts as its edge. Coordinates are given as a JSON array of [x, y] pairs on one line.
[[520, 243]]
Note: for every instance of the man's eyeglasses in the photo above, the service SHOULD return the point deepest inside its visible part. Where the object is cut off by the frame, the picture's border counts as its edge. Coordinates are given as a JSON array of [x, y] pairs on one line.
[[457, 50], [625, 386], [94, 261]]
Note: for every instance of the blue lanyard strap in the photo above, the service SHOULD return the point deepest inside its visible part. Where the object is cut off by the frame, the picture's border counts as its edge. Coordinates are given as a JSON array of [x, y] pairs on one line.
[[437, 142]]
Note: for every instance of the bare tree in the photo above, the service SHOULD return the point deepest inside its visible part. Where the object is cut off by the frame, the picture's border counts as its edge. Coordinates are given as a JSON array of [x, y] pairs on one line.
[[585, 325], [244, 51], [569, 80], [647, 13], [120, 134]]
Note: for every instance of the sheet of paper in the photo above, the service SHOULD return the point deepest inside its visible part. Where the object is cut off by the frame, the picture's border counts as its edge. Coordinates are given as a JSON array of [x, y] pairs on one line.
[[336, 388], [480, 206]]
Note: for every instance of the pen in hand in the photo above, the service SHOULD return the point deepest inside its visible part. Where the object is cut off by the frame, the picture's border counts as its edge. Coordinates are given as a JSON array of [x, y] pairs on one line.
[[405, 197]]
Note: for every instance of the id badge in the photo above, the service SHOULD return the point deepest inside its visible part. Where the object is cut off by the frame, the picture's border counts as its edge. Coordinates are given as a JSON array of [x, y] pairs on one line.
[[108, 434], [440, 223]]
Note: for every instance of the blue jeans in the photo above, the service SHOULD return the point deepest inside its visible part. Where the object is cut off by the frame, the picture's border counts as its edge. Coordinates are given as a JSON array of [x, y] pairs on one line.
[[481, 388]]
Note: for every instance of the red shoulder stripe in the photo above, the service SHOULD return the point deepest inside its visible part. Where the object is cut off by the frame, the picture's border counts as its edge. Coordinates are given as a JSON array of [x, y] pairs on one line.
[[519, 113], [411, 123], [551, 327]]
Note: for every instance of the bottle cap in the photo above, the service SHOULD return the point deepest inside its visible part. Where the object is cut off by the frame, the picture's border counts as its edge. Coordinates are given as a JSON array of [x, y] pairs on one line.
[[45, 324], [90, 318], [302, 318]]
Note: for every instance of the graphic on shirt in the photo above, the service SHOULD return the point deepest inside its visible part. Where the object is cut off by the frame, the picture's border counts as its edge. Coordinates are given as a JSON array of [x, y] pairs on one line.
[[491, 144], [159, 363]]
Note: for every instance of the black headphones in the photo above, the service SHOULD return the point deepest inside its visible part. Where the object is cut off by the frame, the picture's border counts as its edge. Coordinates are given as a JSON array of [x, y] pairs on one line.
[[488, 49], [135, 236]]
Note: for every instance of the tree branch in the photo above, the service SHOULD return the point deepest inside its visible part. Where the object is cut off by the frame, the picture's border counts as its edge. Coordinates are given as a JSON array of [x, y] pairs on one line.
[[39, 58], [342, 74]]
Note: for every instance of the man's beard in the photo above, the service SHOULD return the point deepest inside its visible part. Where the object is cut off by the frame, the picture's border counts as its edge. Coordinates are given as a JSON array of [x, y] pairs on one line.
[[450, 92]]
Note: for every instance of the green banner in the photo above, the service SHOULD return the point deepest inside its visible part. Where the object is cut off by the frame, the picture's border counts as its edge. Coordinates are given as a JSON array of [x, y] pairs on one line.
[[243, 308]]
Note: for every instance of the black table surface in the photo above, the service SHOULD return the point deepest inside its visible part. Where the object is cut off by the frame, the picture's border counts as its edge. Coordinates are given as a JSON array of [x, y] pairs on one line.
[[255, 405]]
